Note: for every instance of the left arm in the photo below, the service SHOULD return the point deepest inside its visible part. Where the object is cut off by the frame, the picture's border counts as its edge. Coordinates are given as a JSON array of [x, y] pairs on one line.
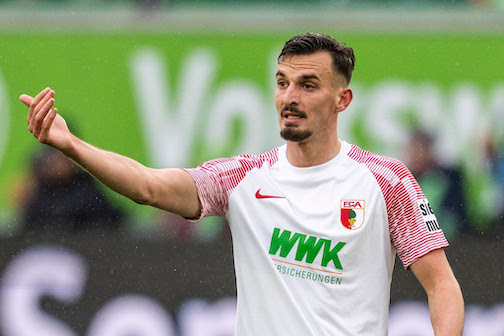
[[446, 303]]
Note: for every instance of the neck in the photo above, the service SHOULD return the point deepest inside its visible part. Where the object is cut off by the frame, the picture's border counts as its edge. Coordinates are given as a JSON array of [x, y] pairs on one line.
[[306, 154]]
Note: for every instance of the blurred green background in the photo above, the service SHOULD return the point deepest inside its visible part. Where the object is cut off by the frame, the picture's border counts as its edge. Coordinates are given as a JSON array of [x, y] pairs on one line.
[[174, 83]]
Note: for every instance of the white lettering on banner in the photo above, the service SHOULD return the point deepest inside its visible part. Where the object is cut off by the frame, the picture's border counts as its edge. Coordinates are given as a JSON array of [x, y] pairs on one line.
[[170, 126], [484, 321], [410, 319], [198, 317], [239, 100], [384, 121], [35, 273], [4, 117], [132, 315], [384, 113], [62, 274]]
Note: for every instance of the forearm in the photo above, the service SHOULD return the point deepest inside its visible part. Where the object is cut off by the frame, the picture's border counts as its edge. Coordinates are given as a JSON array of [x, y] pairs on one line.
[[169, 189], [121, 174], [446, 307], [446, 303]]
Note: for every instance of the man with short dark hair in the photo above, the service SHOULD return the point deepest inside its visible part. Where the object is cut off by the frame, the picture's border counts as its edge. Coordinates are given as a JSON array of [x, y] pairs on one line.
[[315, 223]]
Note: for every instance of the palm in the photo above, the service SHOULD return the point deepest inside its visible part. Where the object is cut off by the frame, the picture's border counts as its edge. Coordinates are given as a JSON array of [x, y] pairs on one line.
[[57, 134]]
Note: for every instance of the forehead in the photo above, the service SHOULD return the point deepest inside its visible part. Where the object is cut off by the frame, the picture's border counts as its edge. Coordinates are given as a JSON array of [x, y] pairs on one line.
[[318, 64]]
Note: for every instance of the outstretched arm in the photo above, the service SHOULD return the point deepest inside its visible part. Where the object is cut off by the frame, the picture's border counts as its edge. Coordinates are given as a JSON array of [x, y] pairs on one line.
[[169, 189], [446, 303]]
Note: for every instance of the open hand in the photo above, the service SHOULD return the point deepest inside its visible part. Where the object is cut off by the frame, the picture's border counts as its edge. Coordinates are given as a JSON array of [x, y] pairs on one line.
[[44, 122]]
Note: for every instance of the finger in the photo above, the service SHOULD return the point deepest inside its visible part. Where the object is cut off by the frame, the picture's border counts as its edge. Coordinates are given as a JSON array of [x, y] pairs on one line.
[[39, 97], [46, 125], [34, 109], [25, 99], [35, 101], [44, 100], [40, 115]]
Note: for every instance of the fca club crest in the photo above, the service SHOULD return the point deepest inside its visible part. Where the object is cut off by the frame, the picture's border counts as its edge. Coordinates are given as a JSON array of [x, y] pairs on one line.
[[352, 213]]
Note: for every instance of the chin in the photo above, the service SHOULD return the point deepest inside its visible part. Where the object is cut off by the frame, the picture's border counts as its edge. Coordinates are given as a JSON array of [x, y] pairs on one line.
[[291, 134]]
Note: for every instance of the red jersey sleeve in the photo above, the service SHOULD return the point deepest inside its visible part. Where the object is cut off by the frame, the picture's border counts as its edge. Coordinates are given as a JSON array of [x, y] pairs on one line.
[[414, 230], [211, 195], [216, 179]]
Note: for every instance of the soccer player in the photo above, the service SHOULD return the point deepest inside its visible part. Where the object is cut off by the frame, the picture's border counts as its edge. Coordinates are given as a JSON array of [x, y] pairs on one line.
[[316, 223]]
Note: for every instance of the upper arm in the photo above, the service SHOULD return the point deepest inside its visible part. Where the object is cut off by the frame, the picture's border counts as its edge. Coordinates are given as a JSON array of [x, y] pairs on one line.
[[174, 190], [433, 269]]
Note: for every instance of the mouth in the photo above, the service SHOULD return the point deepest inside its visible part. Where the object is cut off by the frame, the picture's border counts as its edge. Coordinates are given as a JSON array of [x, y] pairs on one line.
[[291, 116], [292, 113]]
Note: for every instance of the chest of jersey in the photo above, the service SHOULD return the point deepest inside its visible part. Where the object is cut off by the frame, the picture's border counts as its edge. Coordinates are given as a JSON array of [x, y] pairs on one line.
[[310, 218]]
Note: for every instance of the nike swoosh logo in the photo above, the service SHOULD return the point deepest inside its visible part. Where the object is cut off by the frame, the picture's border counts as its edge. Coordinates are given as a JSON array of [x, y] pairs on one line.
[[261, 196]]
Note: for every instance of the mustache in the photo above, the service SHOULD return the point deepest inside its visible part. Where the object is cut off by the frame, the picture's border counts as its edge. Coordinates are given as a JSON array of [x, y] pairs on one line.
[[293, 109]]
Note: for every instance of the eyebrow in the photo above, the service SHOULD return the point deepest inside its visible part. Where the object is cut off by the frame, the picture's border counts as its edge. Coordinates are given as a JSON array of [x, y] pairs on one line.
[[305, 77]]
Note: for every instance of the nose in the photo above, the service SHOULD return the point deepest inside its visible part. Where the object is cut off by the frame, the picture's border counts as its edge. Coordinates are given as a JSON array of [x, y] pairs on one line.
[[291, 95]]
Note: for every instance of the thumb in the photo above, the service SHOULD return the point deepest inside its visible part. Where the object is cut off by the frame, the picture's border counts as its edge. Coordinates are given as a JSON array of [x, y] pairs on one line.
[[25, 99]]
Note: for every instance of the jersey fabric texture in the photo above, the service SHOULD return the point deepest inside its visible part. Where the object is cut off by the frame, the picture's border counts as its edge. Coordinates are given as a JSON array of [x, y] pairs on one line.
[[314, 247]]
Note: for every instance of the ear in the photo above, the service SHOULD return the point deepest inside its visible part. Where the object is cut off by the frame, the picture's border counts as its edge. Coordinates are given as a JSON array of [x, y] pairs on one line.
[[346, 96]]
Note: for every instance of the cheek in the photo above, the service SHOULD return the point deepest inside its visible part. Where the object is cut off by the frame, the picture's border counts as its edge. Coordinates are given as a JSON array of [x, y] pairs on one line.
[[328, 106], [278, 101], [324, 113]]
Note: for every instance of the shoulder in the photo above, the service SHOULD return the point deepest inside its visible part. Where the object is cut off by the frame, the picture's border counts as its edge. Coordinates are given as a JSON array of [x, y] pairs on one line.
[[240, 163], [390, 169]]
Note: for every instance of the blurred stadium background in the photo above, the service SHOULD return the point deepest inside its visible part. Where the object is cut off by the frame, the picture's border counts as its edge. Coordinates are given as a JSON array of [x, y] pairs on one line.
[[172, 83]]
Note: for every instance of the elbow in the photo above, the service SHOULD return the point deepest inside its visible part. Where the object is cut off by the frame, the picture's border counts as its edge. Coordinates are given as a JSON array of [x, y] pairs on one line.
[[141, 200], [448, 286], [150, 191], [146, 188], [143, 195]]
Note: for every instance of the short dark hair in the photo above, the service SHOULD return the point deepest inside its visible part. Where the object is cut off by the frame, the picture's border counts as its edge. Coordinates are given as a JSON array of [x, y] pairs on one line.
[[310, 43]]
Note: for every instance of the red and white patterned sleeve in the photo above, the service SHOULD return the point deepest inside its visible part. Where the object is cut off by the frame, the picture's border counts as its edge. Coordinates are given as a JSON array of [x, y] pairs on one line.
[[414, 230], [216, 179], [210, 185]]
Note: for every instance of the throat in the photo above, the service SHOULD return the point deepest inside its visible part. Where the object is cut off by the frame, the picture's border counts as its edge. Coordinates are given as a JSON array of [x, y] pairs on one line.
[[308, 154]]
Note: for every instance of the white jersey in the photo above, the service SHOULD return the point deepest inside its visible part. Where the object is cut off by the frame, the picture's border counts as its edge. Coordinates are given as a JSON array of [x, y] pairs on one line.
[[314, 247]]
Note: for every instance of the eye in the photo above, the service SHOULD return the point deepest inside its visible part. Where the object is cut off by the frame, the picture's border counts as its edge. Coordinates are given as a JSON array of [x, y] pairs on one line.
[[282, 84], [308, 86]]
